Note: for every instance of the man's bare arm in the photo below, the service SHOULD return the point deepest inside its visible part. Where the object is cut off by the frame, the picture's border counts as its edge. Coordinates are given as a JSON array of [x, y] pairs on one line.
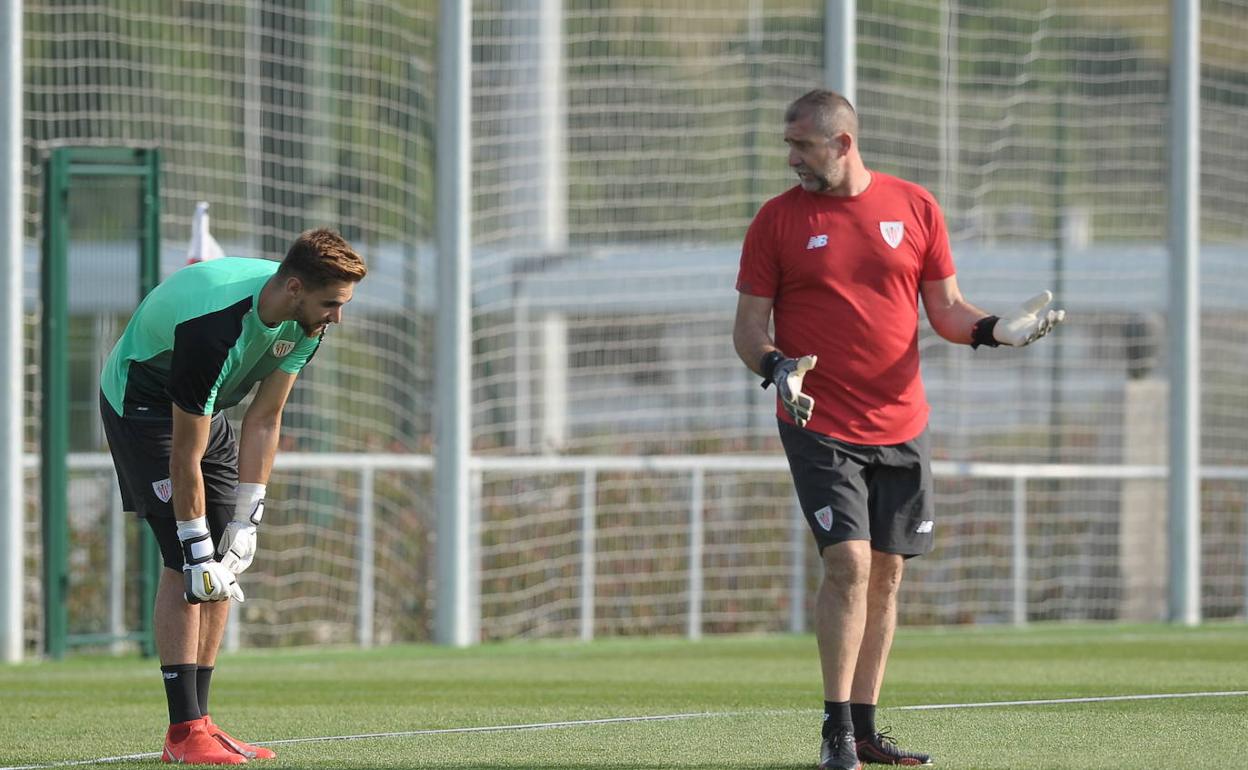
[[950, 315], [190, 441], [750, 333], [959, 321], [261, 430]]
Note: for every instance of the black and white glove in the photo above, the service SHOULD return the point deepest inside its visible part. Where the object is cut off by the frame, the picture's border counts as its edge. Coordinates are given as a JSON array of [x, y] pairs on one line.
[[787, 374], [1023, 327], [207, 580], [238, 542]]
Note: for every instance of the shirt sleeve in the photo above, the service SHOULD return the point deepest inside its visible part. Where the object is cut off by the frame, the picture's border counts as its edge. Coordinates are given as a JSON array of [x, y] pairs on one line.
[[759, 273], [298, 358], [938, 261]]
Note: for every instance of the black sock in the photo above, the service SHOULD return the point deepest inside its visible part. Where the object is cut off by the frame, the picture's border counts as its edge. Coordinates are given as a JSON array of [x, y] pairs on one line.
[[180, 692], [864, 720], [836, 715], [203, 680]]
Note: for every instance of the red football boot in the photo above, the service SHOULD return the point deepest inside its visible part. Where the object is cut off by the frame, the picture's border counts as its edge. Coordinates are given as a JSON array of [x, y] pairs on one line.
[[234, 744], [190, 743]]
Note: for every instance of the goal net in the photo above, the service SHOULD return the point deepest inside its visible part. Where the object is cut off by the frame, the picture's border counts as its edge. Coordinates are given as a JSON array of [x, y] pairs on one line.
[[620, 149]]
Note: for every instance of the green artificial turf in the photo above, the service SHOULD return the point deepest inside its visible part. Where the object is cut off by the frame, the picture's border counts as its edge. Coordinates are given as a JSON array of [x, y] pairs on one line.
[[753, 702]]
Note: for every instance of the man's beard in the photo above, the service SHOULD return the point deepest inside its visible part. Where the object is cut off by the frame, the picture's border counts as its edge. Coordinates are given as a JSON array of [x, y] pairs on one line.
[[308, 329], [821, 182]]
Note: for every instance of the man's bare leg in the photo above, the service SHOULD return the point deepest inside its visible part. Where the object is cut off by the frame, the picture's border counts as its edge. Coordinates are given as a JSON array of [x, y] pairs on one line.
[[186, 633], [877, 641], [840, 614], [212, 619], [176, 622], [881, 622]]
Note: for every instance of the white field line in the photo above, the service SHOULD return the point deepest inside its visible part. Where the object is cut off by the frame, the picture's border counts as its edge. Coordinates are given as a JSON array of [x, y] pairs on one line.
[[651, 718], [1051, 701], [406, 734], [500, 728]]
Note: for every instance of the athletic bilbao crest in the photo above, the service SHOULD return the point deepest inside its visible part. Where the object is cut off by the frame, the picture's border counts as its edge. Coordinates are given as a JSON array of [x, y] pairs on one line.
[[892, 232], [282, 347], [824, 517], [163, 489]]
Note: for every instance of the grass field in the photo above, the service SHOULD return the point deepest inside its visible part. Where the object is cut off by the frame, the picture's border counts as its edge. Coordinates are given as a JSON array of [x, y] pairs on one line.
[[750, 702]]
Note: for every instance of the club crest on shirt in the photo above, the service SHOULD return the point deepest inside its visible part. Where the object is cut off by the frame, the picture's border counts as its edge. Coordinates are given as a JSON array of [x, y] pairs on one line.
[[893, 232], [824, 517], [282, 347], [163, 489]]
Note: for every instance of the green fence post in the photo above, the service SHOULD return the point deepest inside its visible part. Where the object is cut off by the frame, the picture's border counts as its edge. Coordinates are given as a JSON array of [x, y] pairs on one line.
[[54, 425], [62, 165]]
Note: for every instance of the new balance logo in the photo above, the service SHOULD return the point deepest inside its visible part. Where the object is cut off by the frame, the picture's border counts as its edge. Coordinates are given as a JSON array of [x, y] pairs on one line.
[[816, 242], [924, 528]]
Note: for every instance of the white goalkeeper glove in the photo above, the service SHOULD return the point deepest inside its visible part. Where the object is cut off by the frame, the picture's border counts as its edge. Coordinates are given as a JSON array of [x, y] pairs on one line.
[[1023, 327], [238, 542], [787, 374], [207, 580]]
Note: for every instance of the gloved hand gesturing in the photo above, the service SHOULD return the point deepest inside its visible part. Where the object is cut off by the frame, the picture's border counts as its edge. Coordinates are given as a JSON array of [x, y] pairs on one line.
[[1022, 327], [787, 374]]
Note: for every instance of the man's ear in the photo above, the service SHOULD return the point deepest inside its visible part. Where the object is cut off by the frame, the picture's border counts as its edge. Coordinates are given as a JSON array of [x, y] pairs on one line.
[[844, 142], [293, 286]]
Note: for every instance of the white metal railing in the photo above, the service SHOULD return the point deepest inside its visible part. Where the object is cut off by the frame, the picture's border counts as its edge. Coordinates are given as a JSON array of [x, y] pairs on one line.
[[696, 466]]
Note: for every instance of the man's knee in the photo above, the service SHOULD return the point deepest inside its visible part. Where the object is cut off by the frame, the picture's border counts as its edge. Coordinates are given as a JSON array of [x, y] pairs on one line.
[[886, 572], [847, 564]]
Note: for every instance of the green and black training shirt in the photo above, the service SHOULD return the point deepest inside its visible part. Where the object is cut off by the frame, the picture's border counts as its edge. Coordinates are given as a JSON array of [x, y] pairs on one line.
[[197, 341]]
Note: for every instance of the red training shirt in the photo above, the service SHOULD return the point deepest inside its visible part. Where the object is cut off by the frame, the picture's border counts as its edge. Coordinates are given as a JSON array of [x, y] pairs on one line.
[[844, 273]]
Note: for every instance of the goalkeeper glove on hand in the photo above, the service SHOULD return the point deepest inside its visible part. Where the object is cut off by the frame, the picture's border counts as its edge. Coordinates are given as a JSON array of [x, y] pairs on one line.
[[1023, 327], [207, 580], [238, 542], [787, 374]]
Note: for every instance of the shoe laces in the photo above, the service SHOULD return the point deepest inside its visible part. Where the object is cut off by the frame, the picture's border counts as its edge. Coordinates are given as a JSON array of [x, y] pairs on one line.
[[843, 736], [886, 743]]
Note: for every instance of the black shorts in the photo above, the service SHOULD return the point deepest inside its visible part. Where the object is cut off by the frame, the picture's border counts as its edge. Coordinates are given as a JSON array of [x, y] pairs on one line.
[[860, 492], [141, 450]]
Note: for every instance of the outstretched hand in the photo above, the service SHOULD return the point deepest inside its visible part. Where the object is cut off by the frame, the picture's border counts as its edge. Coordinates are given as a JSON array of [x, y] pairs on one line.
[[1029, 323]]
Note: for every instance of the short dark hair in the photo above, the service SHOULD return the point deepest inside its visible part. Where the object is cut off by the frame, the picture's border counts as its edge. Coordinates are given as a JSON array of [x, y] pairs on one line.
[[321, 256], [832, 112]]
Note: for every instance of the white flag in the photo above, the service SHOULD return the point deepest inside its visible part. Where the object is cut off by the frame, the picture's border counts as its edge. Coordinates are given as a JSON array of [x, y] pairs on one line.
[[203, 245]]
